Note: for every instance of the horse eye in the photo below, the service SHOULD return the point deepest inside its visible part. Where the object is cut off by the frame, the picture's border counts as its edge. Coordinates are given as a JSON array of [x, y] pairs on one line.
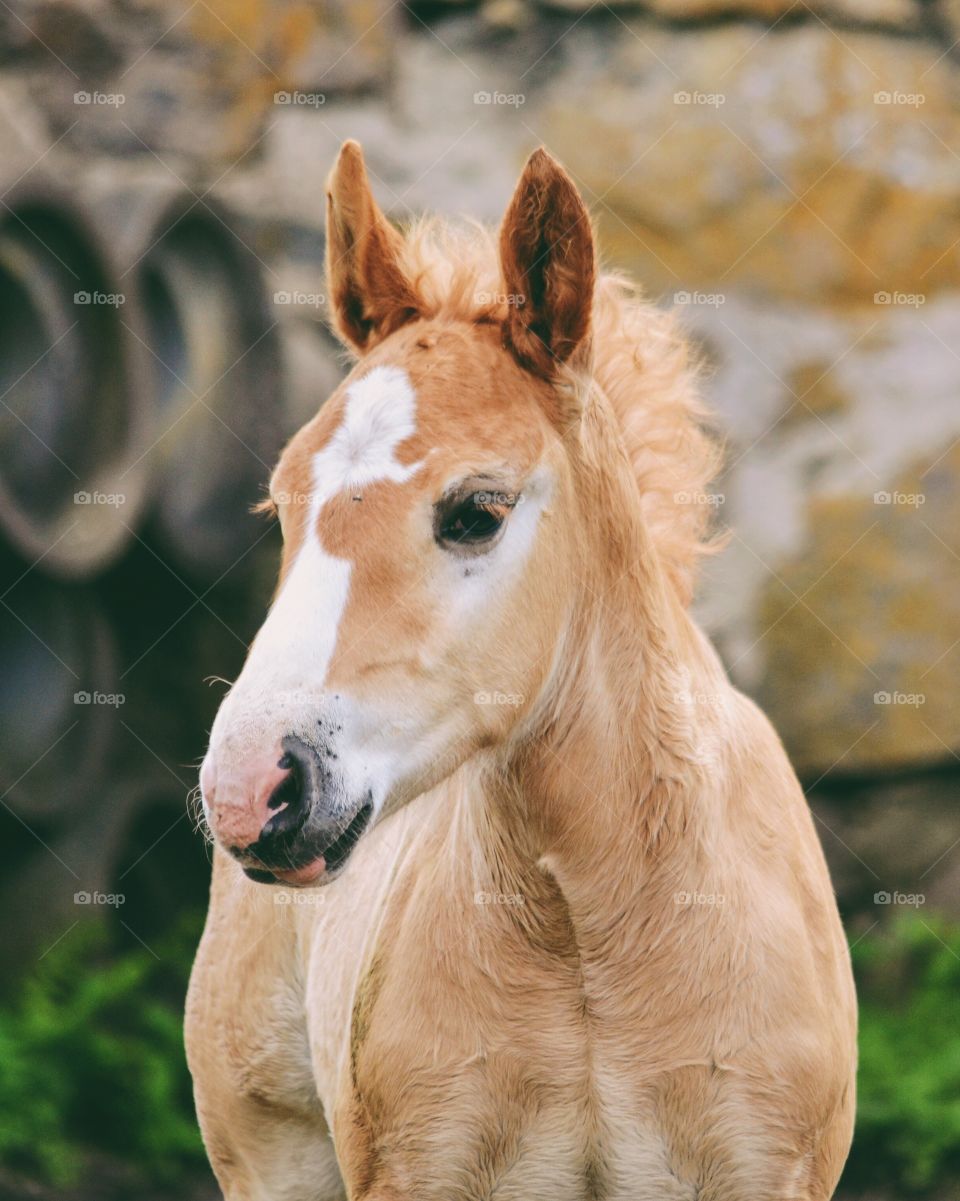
[[471, 521]]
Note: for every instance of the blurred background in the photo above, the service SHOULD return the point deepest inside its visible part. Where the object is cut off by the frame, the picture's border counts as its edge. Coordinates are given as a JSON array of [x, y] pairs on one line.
[[786, 173]]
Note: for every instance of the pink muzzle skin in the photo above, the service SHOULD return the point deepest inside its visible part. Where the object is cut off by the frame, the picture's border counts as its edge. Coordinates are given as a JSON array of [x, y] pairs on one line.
[[237, 796]]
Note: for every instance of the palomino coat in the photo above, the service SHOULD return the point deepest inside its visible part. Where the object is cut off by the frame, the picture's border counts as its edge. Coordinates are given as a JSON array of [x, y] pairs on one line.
[[586, 946]]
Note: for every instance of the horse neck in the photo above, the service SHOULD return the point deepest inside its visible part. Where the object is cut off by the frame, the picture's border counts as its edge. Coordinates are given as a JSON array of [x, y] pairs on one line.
[[617, 781]]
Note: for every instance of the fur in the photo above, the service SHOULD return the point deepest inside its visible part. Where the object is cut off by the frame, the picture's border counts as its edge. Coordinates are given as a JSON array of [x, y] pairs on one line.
[[589, 950]]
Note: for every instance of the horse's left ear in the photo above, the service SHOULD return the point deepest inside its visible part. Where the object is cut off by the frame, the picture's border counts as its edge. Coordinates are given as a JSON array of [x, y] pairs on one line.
[[548, 265], [370, 296]]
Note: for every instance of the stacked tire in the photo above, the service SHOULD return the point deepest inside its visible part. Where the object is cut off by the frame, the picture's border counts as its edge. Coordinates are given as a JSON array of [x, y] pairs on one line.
[[141, 410]]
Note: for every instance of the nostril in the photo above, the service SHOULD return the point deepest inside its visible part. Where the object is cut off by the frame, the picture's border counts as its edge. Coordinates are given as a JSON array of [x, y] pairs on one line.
[[281, 795], [287, 800]]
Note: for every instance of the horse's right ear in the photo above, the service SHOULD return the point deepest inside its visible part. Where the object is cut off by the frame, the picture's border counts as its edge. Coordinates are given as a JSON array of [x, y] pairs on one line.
[[369, 294]]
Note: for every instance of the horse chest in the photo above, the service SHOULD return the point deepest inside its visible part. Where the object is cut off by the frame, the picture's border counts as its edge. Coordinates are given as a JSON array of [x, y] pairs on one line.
[[509, 1124], [464, 1087], [537, 1116], [475, 1055]]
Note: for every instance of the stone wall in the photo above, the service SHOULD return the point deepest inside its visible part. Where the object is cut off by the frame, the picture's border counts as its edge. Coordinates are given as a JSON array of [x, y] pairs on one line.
[[787, 173]]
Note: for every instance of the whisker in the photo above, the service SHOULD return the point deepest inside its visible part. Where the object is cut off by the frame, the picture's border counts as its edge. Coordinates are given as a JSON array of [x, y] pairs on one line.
[[217, 680], [195, 810]]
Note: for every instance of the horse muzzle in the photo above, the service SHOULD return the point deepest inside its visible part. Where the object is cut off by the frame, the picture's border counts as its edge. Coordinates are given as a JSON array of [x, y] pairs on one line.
[[284, 814]]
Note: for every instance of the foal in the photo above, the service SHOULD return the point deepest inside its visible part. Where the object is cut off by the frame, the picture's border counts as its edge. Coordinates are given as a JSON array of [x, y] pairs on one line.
[[556, 925]]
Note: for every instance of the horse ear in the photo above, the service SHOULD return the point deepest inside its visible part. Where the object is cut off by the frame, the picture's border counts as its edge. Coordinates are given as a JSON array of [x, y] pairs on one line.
[[548, 265], [370, 296]]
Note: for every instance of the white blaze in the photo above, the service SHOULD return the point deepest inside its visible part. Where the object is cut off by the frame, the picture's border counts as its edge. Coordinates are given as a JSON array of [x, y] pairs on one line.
[[293, 649], [380, 413]]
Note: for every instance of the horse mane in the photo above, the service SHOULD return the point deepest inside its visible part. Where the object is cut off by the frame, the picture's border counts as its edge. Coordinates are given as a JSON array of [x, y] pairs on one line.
[[642, 365]]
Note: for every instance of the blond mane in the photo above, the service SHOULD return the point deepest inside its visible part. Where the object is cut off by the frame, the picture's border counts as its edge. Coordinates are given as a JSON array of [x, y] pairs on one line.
[[643, 366]]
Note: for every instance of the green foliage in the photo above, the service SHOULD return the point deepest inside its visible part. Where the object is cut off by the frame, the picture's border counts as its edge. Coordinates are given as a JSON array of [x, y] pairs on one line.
[[908, 1113], [91, 1057]]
